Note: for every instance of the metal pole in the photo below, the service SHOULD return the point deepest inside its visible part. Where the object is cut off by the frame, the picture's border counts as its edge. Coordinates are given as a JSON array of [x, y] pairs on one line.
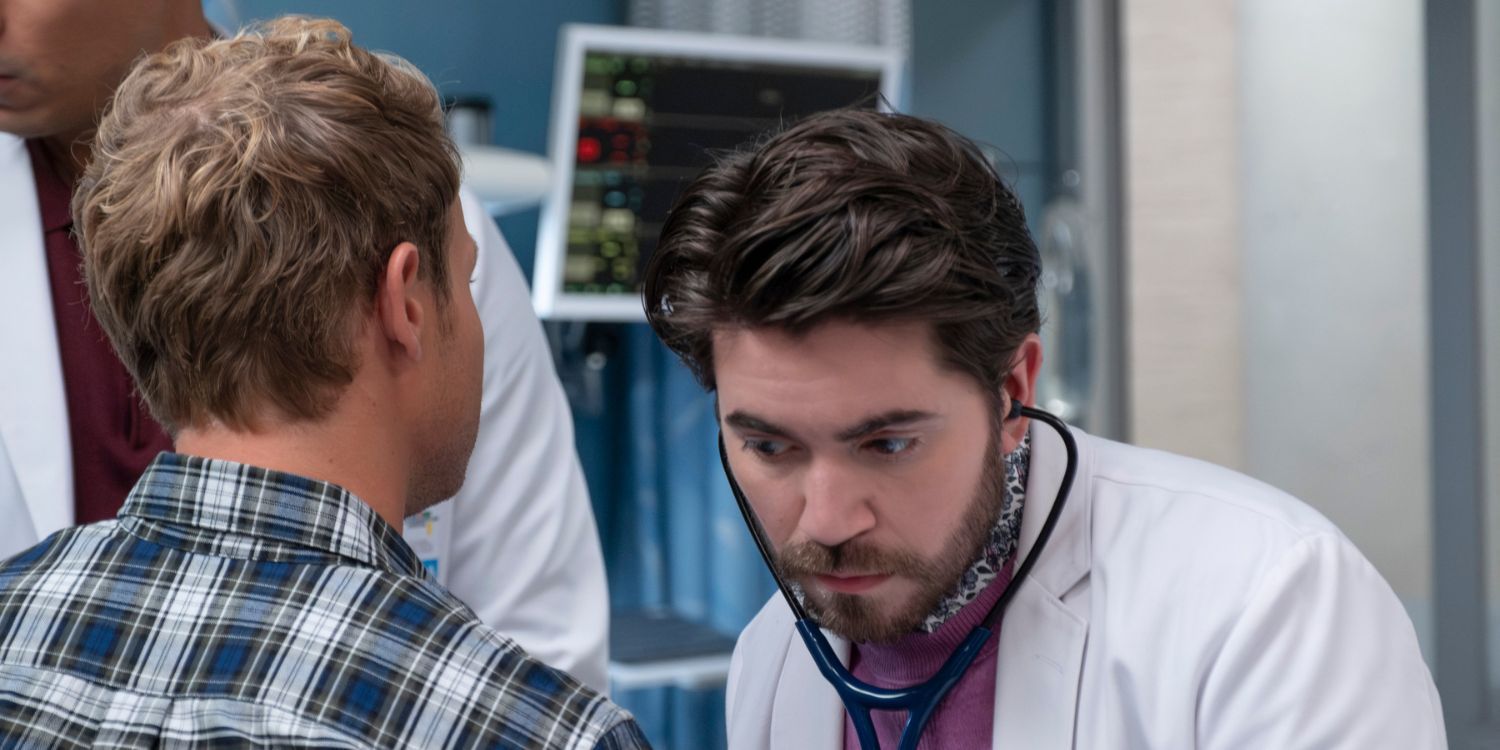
[[1456, 398]]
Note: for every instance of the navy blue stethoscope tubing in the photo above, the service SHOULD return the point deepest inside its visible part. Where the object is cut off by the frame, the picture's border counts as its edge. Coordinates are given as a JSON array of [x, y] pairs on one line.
[[920, 701]]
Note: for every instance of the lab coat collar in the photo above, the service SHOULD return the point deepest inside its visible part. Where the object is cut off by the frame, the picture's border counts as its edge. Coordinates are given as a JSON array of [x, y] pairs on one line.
[[807, 711], [1067, 557], [33, 407], [1042, 639]]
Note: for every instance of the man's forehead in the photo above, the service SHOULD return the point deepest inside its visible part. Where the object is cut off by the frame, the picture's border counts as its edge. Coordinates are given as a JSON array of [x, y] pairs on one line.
[[836, 331], [837, 372], [850, 349]]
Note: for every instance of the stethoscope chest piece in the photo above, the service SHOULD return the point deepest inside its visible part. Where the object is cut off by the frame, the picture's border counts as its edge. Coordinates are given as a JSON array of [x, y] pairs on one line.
[[860, 698]]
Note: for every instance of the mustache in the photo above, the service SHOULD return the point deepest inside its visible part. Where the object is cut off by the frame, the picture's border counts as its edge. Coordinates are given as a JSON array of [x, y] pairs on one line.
[[810, 558]]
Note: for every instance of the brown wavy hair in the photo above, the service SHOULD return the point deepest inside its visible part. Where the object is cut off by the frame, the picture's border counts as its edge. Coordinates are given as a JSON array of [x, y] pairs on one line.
[[242, 200], [854, 215]]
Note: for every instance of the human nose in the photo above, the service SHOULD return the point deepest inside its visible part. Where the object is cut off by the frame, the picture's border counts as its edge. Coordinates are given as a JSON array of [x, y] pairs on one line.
[[836, 505]]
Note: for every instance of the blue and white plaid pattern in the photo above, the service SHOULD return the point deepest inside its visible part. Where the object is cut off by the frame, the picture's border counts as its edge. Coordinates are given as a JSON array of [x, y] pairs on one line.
[[230, 604]]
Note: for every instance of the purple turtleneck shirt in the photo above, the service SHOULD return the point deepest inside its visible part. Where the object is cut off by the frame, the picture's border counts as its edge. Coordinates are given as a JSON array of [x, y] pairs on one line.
[[965, 718]]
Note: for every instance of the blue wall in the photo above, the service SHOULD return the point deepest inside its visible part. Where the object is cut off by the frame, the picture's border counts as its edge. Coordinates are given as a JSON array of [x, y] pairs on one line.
[[504, 51], [986, 70]]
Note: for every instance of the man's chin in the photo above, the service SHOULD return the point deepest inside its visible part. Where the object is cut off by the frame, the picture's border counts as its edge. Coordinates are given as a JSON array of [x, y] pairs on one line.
[[23, 120], [860, 624], [878, 616]]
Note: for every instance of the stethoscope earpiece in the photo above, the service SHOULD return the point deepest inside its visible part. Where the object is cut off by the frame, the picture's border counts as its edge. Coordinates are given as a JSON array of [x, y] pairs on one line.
[[1015, 409]]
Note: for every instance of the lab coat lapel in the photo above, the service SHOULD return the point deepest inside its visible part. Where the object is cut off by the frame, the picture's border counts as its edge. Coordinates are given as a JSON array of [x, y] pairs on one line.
[[1067, 557], [807, 712], [1042, 641], [33, 408], [1039, 667]]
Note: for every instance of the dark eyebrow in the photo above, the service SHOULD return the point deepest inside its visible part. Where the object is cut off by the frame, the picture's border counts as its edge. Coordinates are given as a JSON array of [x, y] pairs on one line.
[[879, 422], [894, 418], [743, 421]]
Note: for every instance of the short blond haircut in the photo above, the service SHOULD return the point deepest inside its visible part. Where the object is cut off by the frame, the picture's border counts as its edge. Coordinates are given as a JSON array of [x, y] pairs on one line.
[[242, 201]]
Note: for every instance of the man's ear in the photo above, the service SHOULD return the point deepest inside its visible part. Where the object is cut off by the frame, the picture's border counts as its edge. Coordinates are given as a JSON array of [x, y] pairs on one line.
[[1020, 386], [398, 309]]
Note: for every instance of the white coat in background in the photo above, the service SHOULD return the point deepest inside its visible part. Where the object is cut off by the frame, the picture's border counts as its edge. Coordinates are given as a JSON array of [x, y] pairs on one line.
[[524, 550], [1178, 605]]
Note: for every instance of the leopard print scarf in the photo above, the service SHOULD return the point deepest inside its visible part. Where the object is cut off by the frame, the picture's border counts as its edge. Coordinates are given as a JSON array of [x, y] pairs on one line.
[[998, 550]]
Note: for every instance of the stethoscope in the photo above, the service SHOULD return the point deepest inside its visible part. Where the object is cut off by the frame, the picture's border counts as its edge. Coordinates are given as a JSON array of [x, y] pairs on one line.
[[919, 701]]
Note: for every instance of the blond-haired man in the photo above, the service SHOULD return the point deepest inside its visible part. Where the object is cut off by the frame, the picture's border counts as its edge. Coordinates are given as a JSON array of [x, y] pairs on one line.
[[74, 437], [274, 244]]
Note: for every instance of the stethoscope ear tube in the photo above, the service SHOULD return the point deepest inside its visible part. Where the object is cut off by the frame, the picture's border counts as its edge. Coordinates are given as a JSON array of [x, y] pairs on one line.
[[760, 538], [1070, 446], [920, 701]]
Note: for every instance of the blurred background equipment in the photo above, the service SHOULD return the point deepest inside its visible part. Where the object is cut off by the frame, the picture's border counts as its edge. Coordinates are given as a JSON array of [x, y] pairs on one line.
[[637, 113], [871, 23], [506, 180]]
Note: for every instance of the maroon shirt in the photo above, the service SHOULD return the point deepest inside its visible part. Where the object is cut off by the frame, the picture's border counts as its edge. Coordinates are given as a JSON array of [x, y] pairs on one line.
[[113, 436], [966, 716]]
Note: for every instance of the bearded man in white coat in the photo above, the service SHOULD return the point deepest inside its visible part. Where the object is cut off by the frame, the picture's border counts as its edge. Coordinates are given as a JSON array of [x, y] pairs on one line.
[[860, 290], [518, 543]]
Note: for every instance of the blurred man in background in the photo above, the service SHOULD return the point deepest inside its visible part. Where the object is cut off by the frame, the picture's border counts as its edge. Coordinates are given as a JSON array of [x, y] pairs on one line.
[[74, 436]]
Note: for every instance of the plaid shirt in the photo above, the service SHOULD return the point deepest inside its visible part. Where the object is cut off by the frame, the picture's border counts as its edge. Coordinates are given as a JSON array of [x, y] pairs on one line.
[[233, 605]]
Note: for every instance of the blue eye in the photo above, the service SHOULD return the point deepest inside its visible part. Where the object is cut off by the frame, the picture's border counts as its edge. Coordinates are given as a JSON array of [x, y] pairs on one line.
[[891, 446], [766, 448]]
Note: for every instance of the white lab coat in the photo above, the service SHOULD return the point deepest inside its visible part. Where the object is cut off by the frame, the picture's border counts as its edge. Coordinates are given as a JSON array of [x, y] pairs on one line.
[[524, 551], [1178, 605]]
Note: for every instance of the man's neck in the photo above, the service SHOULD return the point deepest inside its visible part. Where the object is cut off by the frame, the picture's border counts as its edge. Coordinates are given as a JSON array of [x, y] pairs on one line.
[[359, 460]]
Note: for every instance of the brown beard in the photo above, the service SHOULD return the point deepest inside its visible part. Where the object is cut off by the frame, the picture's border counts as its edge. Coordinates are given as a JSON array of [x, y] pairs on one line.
[[855, 618]]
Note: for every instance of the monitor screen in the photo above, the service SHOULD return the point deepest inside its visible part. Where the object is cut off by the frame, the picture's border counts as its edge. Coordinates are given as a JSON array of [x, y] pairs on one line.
[[637, 114]]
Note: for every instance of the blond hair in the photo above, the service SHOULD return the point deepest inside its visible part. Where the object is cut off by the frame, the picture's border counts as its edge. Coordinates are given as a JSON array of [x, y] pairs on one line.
[[242, 200]]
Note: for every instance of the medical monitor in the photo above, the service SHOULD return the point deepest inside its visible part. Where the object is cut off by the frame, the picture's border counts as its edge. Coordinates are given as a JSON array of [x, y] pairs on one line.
[[637, 113]]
